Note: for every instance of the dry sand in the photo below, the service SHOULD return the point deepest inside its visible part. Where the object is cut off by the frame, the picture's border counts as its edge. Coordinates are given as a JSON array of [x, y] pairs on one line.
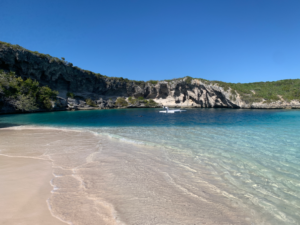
[[24, 190]]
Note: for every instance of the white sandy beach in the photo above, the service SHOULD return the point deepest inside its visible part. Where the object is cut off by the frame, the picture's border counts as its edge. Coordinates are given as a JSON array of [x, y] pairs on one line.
[[100, 181], [24, 190]]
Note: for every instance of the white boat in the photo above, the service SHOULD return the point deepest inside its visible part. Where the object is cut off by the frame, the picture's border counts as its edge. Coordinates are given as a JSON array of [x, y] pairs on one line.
[[172, 111]]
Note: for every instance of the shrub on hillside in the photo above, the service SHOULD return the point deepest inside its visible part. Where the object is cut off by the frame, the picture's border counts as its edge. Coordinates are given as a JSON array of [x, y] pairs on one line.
[[25, 95], [90, 102], [150, 103], [153, 82], [121, 102], [268, 91], [188, 80], [132, 101], [25, 103], [70, 95]]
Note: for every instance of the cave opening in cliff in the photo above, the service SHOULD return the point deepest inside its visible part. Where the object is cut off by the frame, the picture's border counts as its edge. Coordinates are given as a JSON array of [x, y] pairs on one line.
[[150, 93], [4, 66], [163, 91]]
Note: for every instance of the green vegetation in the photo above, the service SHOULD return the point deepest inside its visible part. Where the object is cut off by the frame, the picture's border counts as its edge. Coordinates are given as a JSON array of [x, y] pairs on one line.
[[132, 101], [150, 103], [188, 80], [268, 91], [25, 103], [154, 82], [45, 95], [70, 95], [25, 95], [140, 83], [259, 91], [174, 79], [90, 102], [121, 79], [169, 80], [250, 92], [121, 102]]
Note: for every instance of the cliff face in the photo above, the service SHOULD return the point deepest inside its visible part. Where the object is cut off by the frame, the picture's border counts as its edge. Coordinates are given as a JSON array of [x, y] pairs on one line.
[[63, 77]]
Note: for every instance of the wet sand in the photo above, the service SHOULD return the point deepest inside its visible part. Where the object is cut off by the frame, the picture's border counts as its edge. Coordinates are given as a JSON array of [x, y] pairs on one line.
[[24, 190], [102, 181]]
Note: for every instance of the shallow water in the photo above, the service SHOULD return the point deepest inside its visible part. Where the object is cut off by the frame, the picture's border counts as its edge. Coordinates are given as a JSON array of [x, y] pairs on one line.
[[244, 160]]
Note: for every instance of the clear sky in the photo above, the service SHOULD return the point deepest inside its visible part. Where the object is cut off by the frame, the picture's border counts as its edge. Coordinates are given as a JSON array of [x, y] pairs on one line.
[[227, 40]]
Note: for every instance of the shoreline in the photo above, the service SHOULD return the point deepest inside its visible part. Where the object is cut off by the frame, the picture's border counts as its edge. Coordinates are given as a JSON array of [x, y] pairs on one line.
[[96, 181], [172, 106]]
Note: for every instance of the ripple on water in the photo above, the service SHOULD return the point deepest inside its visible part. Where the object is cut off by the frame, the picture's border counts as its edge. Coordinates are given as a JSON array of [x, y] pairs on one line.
[[243, 162]]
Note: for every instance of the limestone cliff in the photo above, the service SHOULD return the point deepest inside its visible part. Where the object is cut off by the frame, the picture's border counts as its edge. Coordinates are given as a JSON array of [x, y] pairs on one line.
[[64, 77]]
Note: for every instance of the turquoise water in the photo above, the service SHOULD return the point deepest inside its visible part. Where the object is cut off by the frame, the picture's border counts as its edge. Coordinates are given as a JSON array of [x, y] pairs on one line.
[[151, 117], [254, 154]]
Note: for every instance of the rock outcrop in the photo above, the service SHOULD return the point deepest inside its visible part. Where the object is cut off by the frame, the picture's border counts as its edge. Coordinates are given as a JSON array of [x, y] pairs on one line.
[[64, 77]]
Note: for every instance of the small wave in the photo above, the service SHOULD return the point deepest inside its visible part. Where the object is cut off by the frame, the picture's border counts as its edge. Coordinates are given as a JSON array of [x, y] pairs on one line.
[[60, 219]]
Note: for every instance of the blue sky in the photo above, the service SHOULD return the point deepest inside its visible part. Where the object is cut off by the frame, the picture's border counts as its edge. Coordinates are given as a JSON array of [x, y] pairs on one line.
[[227, 40]]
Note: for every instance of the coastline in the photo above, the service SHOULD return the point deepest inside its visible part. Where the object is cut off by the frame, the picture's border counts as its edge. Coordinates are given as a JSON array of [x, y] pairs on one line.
[[103, 91], [102, 181], [287, 107]]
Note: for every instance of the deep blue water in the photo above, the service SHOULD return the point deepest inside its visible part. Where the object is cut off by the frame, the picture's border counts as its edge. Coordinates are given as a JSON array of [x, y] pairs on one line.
[[254, 153], [151, 117]]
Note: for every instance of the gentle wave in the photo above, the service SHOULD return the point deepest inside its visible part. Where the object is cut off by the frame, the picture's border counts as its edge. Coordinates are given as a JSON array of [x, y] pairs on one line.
[[252, 160]]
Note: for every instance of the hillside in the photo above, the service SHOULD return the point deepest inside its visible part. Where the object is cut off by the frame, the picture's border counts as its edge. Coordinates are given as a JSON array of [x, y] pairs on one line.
[[80, 85]]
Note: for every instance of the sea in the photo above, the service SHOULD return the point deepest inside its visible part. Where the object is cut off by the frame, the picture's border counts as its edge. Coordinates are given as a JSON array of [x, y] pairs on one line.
[[249, 157]]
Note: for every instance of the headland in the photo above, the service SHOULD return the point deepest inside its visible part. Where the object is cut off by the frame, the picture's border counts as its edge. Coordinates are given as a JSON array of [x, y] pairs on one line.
[[73, 88]]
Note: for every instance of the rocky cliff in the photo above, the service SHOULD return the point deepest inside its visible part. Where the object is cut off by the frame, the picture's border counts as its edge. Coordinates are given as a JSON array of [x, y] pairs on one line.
[[64, 77]]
